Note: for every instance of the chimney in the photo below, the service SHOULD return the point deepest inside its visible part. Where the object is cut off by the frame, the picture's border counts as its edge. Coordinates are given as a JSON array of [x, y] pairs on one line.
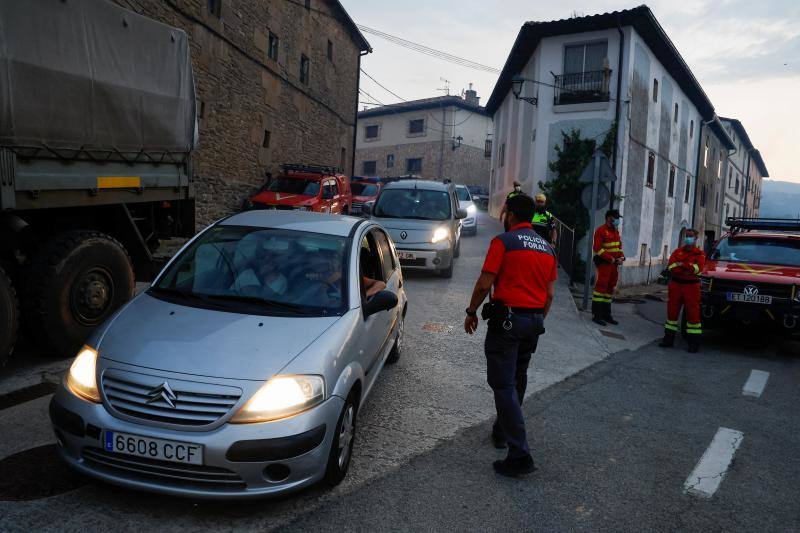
[[471, 96]]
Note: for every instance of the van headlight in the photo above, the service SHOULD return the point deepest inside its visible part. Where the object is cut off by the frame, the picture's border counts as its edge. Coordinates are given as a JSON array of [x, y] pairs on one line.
[[280, 397], [440, 234], [471, 209], [81, 378]]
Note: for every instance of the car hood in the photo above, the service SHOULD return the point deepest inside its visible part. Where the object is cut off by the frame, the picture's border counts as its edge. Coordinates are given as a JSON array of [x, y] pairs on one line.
[[156, 334], [752, 272], [281, 198], [416, 231]]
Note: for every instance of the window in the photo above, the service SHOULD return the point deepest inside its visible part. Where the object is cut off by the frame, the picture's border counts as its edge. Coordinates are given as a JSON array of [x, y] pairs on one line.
[[655, 90], [716, 203], [705, 154], [703, 196], [587, 57], [215, 8], [730, 177], [688, 187], [651, 168], [304, 67], [691, 129], [266, 139], [727, 209], [372, 131], [272, 48], [671, 189], [370, 168], [414, 165], [390, 161], [487, 149], [736, 187], [416, 126], [675, 116], [330, 50], [502, 155], [387, 258], [643, 255], [369, 264]]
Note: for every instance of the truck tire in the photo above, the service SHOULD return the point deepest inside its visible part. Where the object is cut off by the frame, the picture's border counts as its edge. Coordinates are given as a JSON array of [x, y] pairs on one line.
[[76, 281], [9, 317]]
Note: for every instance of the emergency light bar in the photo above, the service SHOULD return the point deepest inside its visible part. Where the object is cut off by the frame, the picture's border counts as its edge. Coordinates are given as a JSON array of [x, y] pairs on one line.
[[738, 224], [314, 169]]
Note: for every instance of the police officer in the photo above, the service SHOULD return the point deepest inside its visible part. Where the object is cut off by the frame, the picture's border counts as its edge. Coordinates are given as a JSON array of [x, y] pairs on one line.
[[608, 256], [684, 267], [521, 267], [543, 220], [515, 192]]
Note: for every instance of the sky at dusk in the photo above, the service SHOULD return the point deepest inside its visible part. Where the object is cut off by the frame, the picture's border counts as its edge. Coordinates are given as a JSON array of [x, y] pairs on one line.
[[745, 54]]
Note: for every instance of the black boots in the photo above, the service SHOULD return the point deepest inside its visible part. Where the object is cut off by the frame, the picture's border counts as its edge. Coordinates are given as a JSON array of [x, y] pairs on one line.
[[669, 339], [515, 467], [598, 312], [608, 318]]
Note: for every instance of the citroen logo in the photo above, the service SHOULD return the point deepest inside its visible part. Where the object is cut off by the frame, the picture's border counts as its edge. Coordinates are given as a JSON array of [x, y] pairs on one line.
[[751, 290], [162, 392], [403, 235]]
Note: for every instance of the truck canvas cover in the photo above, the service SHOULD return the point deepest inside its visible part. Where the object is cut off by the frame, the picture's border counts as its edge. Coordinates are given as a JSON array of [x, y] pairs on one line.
[[90, 76]]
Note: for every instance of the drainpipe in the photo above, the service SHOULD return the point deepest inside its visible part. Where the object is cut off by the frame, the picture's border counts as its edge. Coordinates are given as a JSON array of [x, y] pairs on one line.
[[703, 123], [355, 122], [616, 112]]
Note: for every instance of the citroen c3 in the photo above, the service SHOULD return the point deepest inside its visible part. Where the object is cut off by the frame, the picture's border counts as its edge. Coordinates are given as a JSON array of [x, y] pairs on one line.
[[241, 370], [424, 219]]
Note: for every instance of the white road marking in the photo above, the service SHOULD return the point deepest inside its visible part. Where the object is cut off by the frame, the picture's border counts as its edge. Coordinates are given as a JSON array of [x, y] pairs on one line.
[[755, 383], [707, 476]]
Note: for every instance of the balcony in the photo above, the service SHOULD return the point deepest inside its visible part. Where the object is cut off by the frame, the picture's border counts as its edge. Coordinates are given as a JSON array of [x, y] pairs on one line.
[[582, 87]]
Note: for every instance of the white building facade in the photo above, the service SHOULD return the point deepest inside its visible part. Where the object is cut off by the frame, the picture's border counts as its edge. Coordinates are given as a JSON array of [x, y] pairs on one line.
[[588, 73]]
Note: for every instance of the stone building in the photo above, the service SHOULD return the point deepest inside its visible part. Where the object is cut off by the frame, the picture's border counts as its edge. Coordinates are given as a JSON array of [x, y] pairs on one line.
[[276, 81], [758, 171], [591, 74], [443, 137], [712, 166], [745, 173]]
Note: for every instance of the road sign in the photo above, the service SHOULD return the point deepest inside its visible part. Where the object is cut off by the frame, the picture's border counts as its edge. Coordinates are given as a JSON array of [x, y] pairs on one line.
[[603, 196], [606, 174]]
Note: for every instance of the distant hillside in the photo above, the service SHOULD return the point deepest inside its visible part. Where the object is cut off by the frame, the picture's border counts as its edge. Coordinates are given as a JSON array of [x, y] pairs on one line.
[[780, 199]]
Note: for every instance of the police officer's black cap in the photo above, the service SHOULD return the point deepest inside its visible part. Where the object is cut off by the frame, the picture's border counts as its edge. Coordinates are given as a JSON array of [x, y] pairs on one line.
[[613, 213]]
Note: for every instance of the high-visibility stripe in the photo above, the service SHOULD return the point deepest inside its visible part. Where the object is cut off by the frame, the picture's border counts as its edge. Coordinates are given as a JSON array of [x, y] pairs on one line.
[[696, 268], [119, 182], [610, 244], [673, 265], [609, 250], [674, 322], [692, 331], [670, 327], [601, 299]]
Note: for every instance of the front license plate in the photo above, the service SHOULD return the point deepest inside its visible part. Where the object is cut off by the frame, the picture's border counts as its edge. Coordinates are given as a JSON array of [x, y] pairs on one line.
[[406, 255], [164, 450], [749, 298]]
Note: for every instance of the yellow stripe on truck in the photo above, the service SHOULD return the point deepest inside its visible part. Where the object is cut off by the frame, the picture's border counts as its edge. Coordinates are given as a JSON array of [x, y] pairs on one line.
[[119, 182]]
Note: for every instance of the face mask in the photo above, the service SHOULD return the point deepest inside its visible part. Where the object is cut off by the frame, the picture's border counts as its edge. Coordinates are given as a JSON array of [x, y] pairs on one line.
[[517, 188], [689, 241], [616, 222]]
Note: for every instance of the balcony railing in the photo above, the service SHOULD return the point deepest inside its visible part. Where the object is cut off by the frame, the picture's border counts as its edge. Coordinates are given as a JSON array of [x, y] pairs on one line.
[[582, 87]]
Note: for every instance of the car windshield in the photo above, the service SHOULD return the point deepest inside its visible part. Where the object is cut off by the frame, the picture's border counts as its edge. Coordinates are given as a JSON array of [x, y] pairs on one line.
[[782, 252], [413, 203], [259, 271], [463, 194], [304, 187], [364, 189]]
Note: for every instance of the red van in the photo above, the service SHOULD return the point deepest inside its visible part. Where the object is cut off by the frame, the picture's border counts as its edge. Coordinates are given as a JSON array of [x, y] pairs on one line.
[[305, 188], [364, 190]]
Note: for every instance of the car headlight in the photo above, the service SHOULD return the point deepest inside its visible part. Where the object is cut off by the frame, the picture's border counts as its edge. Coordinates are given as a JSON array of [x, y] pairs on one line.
[[81, 379], [280, 397], [471, 209], [440, 234]]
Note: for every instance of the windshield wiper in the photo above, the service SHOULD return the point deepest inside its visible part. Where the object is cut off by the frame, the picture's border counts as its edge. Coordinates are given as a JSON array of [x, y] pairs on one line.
[[296, 308]]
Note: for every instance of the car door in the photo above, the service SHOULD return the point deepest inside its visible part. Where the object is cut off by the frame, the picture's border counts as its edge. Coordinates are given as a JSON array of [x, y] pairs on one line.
[[375, 334], [393, 276], [336, 200]]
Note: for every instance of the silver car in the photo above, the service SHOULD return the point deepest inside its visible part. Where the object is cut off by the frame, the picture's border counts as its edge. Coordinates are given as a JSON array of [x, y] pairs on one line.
[[424, 219], [241, 370], [466, 202]]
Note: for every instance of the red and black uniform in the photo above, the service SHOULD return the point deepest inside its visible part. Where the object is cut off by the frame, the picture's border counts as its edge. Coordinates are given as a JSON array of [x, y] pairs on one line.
[[524, 265], [607, 249], [685, 265]]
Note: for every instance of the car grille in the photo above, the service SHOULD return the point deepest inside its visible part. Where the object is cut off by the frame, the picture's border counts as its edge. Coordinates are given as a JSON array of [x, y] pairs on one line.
[[769, 289], [145, 397], [419, 262], [163, 472]]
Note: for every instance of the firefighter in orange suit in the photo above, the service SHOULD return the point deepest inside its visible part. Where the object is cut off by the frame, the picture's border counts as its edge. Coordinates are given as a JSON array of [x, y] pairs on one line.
[[608, 257], [684, 266]]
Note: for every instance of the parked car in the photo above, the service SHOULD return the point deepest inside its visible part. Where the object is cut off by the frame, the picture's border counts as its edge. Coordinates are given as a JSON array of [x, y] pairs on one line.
[[465, 202], [424, 220], [480, 195], [305, 188], [752, 277], [240, 372], [364, 190]]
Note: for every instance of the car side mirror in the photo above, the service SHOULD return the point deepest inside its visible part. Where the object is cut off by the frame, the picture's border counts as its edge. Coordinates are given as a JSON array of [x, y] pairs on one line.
[[366, 209], [461, 213], [380, 301]]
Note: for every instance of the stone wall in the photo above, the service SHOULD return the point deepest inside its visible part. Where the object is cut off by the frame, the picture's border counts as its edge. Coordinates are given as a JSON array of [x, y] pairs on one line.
[[242, 93], [465, 164]]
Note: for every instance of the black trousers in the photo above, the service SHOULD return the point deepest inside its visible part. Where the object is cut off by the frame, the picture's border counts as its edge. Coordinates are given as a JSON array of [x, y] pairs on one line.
[[508, 354]]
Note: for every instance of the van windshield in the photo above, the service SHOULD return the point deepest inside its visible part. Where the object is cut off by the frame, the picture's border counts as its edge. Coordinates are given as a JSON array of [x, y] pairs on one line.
[[304, 187], [782, 252], [413, 203]]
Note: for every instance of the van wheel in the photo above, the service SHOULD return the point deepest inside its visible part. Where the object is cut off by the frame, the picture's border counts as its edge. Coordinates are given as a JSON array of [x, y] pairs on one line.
[[447, 273], [75, 282], [342, 443], [9, 317]]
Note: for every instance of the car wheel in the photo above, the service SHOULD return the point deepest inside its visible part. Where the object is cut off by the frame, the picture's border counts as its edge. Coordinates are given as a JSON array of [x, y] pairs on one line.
[[397, 350], [342, 443], [447, 272]]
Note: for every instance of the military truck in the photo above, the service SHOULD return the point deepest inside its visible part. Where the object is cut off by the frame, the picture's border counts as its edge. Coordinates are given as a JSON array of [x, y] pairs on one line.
[[97, 128]]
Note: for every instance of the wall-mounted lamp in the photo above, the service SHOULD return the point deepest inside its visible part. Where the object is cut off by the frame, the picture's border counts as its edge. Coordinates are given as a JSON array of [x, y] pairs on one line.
[[516, 87], [457, 142]]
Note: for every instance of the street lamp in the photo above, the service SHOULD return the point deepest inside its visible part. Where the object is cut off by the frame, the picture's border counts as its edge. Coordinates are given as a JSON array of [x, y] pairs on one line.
[[516, 88]]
